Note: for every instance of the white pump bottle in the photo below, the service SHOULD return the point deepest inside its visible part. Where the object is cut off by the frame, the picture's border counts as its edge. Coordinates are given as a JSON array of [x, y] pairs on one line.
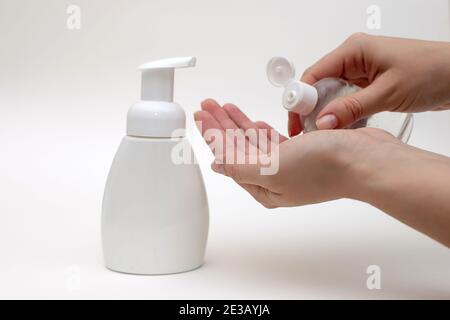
[[308, 101], [155, 211]]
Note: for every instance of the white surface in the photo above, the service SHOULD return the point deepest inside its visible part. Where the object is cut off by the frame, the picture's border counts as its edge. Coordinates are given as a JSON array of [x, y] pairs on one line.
[[56, 147]]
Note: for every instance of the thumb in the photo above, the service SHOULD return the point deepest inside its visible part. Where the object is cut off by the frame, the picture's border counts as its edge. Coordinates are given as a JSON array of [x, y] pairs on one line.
[[346, 110]]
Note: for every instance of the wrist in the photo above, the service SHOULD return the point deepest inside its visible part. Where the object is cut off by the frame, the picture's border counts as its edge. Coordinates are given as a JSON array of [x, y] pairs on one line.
[[410, 185], [376, 170], [439, 71], [395, 171]]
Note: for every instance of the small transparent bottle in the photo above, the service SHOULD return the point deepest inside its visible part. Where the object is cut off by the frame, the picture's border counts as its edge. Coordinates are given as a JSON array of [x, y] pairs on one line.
[[308, 101]]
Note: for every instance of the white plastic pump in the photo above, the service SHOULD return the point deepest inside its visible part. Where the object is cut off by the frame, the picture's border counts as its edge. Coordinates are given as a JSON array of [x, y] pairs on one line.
[[158, 78], [155, 210], [156, 115]]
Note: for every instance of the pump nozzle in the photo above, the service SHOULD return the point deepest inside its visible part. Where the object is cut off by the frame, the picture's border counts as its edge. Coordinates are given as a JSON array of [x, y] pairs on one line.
[[158, 77], [156, 115]]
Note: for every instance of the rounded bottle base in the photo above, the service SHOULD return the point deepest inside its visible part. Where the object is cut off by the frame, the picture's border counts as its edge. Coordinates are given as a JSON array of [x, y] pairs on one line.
[[155, 272]]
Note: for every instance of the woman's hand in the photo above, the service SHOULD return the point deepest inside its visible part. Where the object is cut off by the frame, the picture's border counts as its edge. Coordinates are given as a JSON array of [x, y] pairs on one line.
[[399, 75], [311, 168]]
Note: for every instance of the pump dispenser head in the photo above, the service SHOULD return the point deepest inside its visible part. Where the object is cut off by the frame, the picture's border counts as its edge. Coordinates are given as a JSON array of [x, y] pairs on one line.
[[158, 77], [298, 97], [156, 115]]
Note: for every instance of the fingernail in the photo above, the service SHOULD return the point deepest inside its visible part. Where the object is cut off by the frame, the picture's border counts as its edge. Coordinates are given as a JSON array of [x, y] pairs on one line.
[[207, 100], [328, 121]]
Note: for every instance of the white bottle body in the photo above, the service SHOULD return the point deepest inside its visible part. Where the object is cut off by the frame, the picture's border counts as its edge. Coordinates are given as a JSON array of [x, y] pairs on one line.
[[155, 212], [398, 124]]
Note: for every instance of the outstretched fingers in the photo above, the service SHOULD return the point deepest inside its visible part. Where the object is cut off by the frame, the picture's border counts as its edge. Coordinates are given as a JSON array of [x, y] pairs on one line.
[[273, 135], [211, 106], [262, 133]]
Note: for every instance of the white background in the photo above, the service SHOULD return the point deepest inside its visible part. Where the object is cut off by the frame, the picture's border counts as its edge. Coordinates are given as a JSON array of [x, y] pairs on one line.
[[63, 100]]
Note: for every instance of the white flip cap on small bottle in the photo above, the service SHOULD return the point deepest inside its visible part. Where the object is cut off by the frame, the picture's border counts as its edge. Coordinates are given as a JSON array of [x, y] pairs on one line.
[[156, 115], [298, 97]]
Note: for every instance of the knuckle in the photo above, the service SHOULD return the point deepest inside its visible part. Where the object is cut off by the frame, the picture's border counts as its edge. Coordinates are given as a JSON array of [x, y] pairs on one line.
[[357, 37], [267, 197], [308, 71], [354, 108], [262, 123], [232, 172], [269, 206], [261, 195]]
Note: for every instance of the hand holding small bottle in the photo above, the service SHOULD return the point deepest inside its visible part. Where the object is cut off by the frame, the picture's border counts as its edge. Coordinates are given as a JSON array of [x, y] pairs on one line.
[[399, 75]]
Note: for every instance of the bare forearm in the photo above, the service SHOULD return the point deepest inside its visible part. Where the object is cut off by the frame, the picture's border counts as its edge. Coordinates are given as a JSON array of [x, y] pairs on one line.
[[413, 186]]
